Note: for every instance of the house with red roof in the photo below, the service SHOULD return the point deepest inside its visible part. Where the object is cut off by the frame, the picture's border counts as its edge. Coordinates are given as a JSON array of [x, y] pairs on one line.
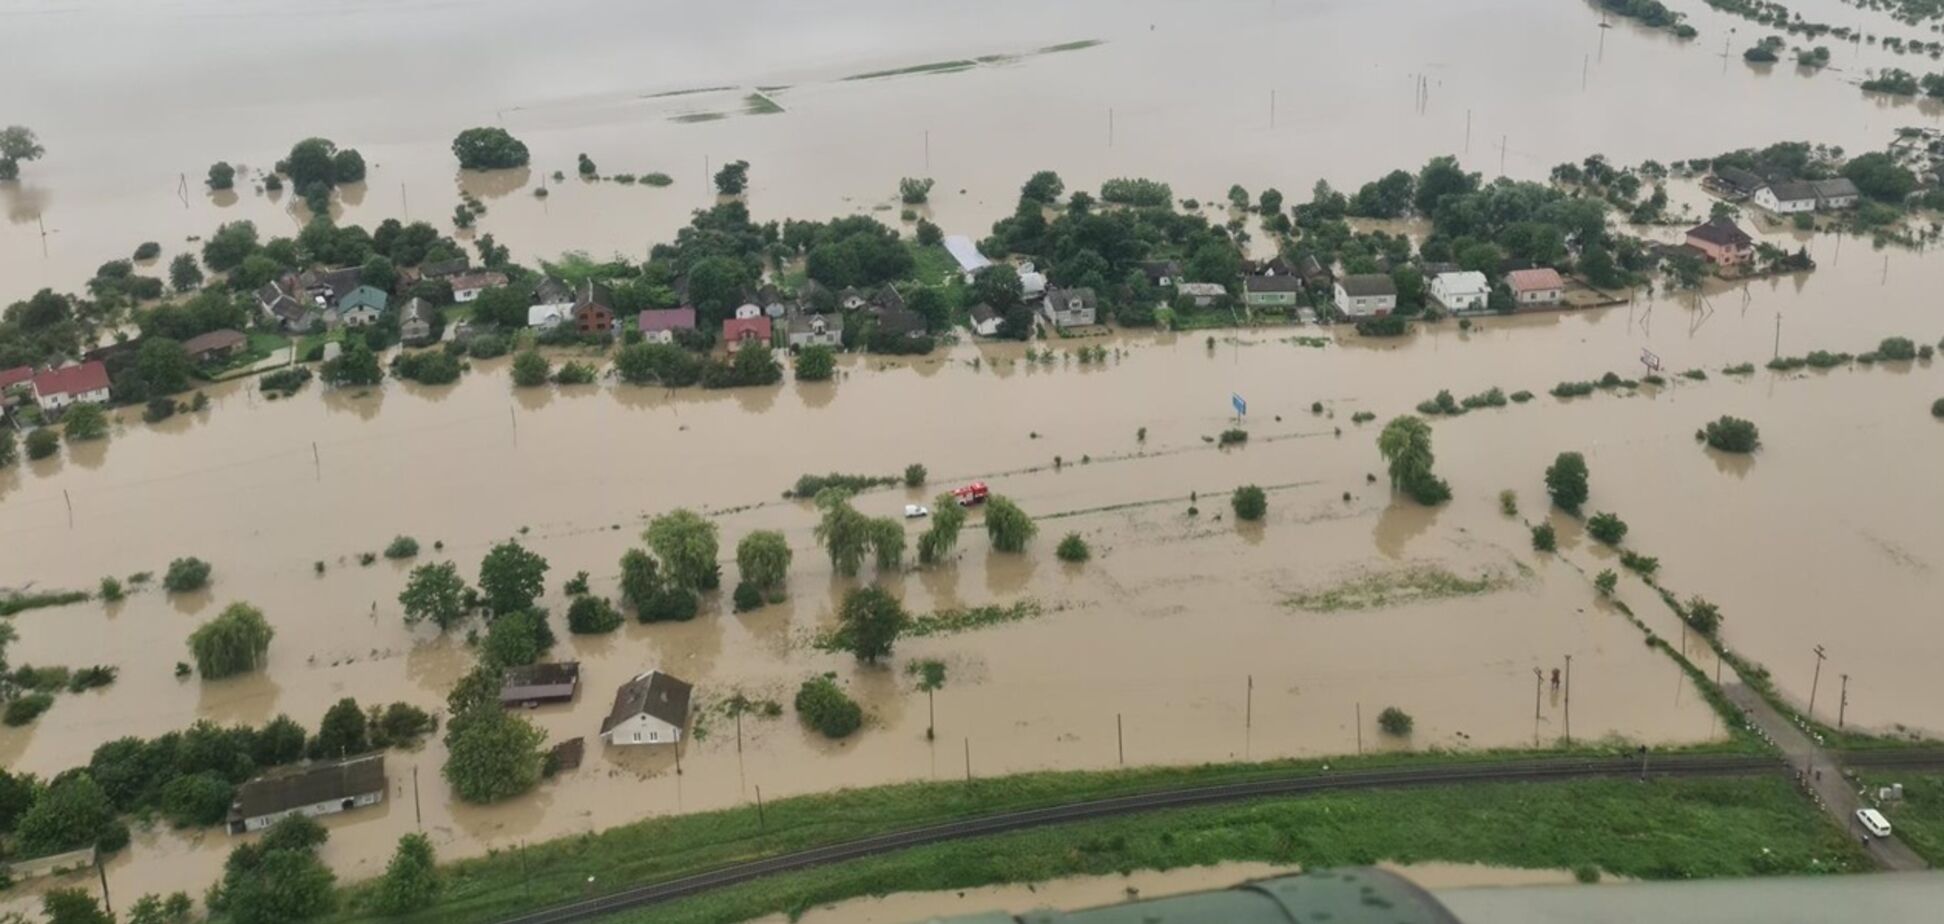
[[658, 325], [1722, 242], [749, 327], [1541, 286], [15, 376], [58, 388]]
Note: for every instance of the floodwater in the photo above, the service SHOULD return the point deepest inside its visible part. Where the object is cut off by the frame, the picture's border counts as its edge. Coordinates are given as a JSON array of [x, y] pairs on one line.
[[1167, 94], [1072, 893], [1177, 631]]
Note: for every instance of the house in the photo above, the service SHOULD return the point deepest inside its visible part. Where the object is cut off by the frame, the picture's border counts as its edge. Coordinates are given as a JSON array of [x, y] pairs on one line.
[[1365, 296], [1069, 307], [748, 328], [1538, 286], [658, 325], [1032, 282], [971, 262], [1787, 198], [418, 322], [467, 286], [1838, 193], [289, 311], [81, 383], [886, 299], [324, 788], [1202, 294], [1270, 291], [215, 346], [440, 269], [326, 287], [591, 312], [1461, 291], [1161, 273], [1737, 183], [985, 321], [1722, 242], [361, 306], [850, 299], [816, 329], [650, 709], [1314, 273], [18, 375], [900, 322], [531, 685], [549, 317]]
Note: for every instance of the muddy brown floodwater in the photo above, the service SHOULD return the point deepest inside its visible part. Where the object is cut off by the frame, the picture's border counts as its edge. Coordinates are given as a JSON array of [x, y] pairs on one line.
[[1828, 536], [1319, 90]]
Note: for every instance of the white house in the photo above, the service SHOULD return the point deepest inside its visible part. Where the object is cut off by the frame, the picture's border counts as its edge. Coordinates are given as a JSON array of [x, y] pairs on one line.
[[816, 330], [1836, 193], [467, 286], [1366, 296], [1787, 198], [971, 262], [1461, 291], [1201, 294], [86, 383], [985, 321], [1069, 307], [548, 317], [319, 789], [1541, 286], [650, 709], [1032, 282]]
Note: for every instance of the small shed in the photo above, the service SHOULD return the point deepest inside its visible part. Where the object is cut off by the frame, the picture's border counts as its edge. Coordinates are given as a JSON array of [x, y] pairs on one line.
[[532, 685]]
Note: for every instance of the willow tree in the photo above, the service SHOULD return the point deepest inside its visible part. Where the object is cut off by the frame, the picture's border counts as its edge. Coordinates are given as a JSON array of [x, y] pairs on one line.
[[232, 643], [946, 521], [1406, 445], [763, 559], [843, 532], [1008, 525], [888, 541], [685, 542]]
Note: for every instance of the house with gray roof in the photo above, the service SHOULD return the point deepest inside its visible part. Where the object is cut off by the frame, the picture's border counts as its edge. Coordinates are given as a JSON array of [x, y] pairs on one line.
[[418, 322], [652, 708], [808, 329], [321, 788], [1367, 295], [530, 685], [1075, 307], [1271, 291]]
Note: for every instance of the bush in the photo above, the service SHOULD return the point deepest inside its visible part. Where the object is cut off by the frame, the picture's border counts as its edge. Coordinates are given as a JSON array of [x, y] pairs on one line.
[[84, 422], [1733, 434], [488, 149], [285, 381], [575, 373], [1937, 409], [1008, 526], [402, 547], [1702, 616], [158, 410], [428, 367], [1232, 437], [589, 615], [1509, 502], [1250, 503], [1073, 549], [1644, 565], [185, 575], [747, 596], [1572, 389], [1896, 348], [26, 708], [111, 589], [1607, 528], [815, 364], [1605, 581], [914, 475], [1543, 539], [1395, 722], [530, 369], [671, 604], [824, 707], [42, 443], [89, 678]]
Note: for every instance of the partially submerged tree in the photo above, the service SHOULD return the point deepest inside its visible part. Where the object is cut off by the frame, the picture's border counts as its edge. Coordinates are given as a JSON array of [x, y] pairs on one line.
[[686, 544], [492, 754], [511, 578], [434, 592], [763, 560], [1008, 526], [1406, 445], [870, 622], [232, 643], [1566, 481]]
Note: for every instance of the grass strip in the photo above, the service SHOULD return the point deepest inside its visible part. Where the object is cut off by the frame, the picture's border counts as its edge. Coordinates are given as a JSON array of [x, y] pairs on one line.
[[934, 67], [20, 603]]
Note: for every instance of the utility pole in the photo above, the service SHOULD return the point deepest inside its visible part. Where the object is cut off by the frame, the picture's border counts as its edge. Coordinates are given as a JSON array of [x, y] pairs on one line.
[[1272, 109], [1538, 676], [1248, 707], [418, 817], [1120, 739], [405, 202], [739, 731], [1569, 700], [761, 824], [515, 418], [1360, 728], [317, 462], [1842, 705], [107, 904], [1778, 336], [968, 761], [70, 507], [1820, 656], [927, 149], [1502, 142], [1586, 61]]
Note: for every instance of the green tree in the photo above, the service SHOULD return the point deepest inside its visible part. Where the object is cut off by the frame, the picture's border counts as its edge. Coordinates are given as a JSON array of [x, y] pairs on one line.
[[411, 880], [1607, 528], [42, 443], [888, 542], [1270, 202], [640, 581], [591, 615], [733, 178], [998, 287], [941, 537], [1008, 526], [343, 732], [517, 638], [763, 559], [489, 149], [312, 162], [280, 741], [197, 800], [73, 906], [277, 880], [1733, 434], [492, 755], [357, 365], [530, 369], [1395, 722], [1566, 481], [1543, 538], [1043, 187], [222, 175], [84, 422], [1073, 549], [164, 365], [511, 578], [1406, 445], [869, 623], [184, 273], [72, 813], [1250, 503], [824, 706], [914, 191], [1605, 582], [435, 592], [716, 286], [816, 364], [929, 234], [17, 145], [9, 447], [229, 245], [844, 532], [232, 643], [686, 544], [1879, 176]]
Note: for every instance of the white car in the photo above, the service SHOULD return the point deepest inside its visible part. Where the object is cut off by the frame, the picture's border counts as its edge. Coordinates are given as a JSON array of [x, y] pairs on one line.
[[914, 511], [1874, 822]]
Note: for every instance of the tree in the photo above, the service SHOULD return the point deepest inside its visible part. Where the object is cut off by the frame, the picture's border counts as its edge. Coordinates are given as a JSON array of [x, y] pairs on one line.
[[888, 541], [280, 741], [72, 813], [1406, 445], [164, 365], [1073, 549], [492, 754], [411, 880], [591, 615], [517, 638], [1008, 526], [229, 245], [488, 149], [1733, 434], [277, 879], [184, 273], [232, 643], [640, 581], [1270, 202], [1043, 187], [941, 537], [1543, 538], [1395, 722], [1250, 503], [153, 909], [84, 422], [511, 578], [816, 364], [733, 178], [823, 705], [197, 800], [342, 733], [73, 906], [686, 544], [312, 162], [221, 176], [1605, 582], [357, 365], [998, 287], [763, 559], [716, 286], [435, 592], [929, 234], [1703, 616], [530, 369], [1566, 481], [42, 443], [914, 191], [10, 447], [17, 144], [844, 532], [869, 622], [1879, 176], [348, 166], [1607, 528]]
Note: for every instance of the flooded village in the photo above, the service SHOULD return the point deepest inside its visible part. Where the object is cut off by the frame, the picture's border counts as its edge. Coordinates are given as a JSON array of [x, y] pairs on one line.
[[647, 289]]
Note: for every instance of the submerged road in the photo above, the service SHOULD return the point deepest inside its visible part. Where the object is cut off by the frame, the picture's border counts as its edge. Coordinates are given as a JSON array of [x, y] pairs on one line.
[[1542, 770]]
